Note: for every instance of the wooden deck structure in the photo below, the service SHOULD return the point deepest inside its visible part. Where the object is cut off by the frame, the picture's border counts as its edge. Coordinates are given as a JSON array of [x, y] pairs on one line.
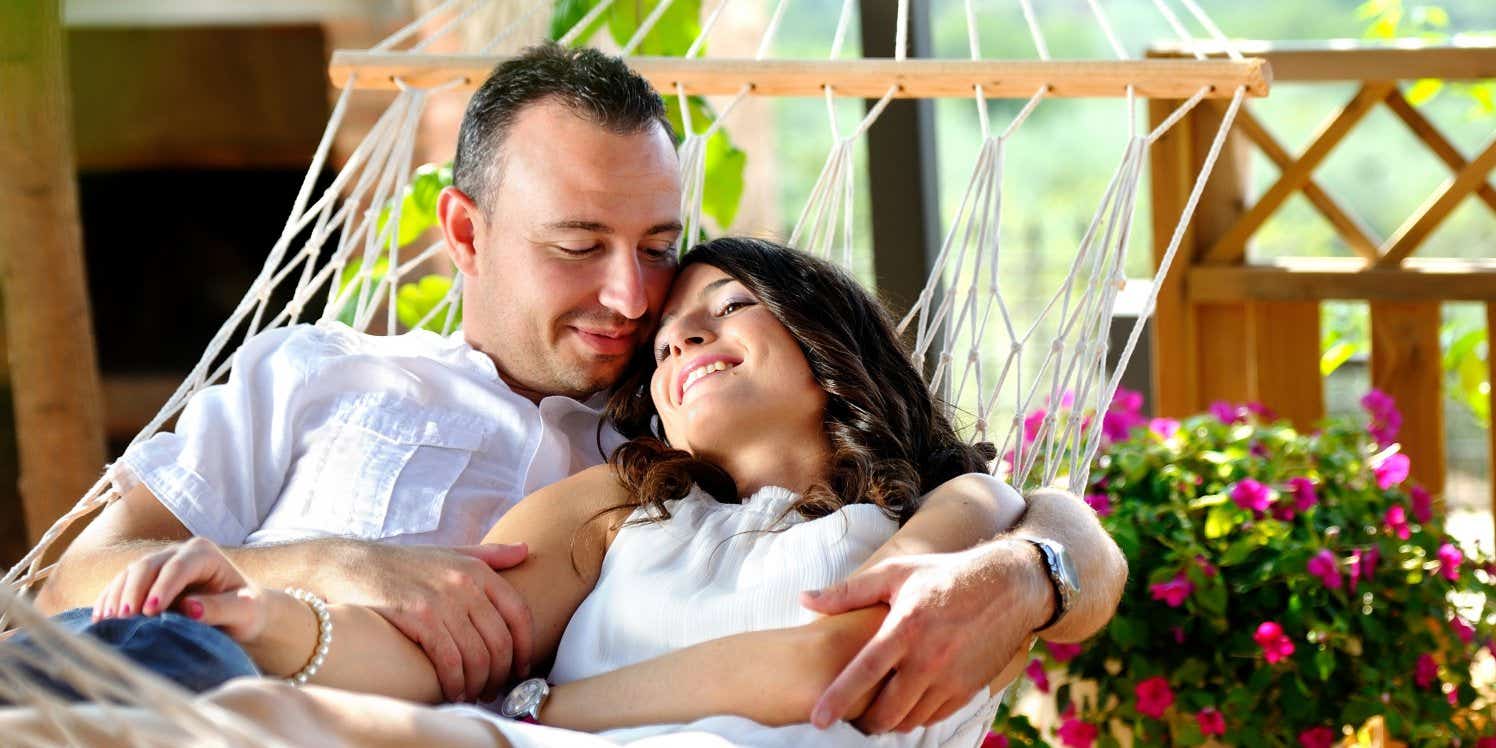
[[1228, 329]]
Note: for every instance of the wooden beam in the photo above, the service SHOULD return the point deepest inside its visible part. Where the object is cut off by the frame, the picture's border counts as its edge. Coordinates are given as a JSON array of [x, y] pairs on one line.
[[1417, 228], [54, 373], [1285, 360], [1174, 351], [1406, 364], [1232, 246], [863, 78], [1436, 142], [1224, 367], [1320, 279], [1356, 60], [1356, 235]]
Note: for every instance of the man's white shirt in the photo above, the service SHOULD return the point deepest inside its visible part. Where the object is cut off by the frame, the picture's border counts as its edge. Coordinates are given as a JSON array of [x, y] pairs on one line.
[[323, 431]]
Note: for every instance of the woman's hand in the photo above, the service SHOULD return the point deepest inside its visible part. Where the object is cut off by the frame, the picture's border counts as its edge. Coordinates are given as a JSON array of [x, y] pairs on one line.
[[194, 578]]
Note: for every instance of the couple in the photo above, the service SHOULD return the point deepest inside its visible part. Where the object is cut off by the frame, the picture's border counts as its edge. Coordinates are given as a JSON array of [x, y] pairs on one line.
[[562, 222]]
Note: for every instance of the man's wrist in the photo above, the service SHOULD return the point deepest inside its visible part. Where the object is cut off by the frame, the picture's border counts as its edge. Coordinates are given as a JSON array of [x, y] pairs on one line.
[[1028, 577]]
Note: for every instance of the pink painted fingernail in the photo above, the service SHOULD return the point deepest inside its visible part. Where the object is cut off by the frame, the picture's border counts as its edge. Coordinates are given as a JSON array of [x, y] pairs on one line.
[[194, 609], [124, 609], [152, 604]]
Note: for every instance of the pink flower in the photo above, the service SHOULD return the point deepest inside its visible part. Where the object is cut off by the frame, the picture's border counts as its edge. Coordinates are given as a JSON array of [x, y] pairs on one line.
[[1426, 672], [1075, 733], [1450, 559], [1178, 635], [1275, 644], [1031, 425], [1117, 425], [1392, 471], [1211, 721], [1362, 565], [1035, 673], [1423, 505], [1317, 737], [1166, 428], [1325, 566], [1173, 592], [1249, 494], [994, 740], [1227, 413], [1101, 502], [1154, 697], [1261, 411], [1062, 652], [1385, 418], [1304, 495], [1127, 401], [1206, 567], [1397, 521], [1461, 629], [1486, 742], [1282, 510]]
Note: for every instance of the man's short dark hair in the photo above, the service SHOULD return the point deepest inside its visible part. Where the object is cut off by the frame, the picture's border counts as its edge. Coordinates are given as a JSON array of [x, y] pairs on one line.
[[596, 87]]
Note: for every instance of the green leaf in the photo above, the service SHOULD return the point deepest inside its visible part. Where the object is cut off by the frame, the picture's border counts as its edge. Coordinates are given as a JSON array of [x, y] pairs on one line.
[[1424, 90], [569, 13], [1220, 521], [350, 277], [1212, 597], [1335, 356], [671, 36], [1238, 551], [1324, 663], [725, 167], [415, 300], [417, 203]]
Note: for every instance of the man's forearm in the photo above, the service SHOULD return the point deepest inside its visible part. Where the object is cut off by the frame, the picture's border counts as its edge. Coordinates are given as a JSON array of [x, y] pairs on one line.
[[1099, 563], [771, 677], [81, 576]]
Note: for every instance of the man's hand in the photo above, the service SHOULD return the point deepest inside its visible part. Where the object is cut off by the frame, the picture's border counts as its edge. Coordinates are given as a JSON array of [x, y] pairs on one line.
[[955, 621], [477, 631]]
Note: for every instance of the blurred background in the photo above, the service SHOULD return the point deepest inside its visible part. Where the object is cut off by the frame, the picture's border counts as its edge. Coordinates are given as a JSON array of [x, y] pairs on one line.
[[193, 122]]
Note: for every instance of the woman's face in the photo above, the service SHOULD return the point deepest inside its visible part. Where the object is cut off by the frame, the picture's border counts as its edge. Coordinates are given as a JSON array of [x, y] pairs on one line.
[[728, 371]]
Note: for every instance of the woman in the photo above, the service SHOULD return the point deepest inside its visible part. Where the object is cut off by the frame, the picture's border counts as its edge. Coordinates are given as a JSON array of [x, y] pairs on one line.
[[782, 439]]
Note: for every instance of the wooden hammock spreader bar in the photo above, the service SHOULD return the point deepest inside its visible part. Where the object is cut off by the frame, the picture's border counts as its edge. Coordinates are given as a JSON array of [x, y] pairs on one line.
[[864, 78]]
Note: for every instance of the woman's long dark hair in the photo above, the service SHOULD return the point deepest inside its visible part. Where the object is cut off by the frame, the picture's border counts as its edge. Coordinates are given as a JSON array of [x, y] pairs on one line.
[[890, 441]]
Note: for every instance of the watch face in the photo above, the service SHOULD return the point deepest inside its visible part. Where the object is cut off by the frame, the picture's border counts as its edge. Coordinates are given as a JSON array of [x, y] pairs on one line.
[[1067, 570], [523, 698]]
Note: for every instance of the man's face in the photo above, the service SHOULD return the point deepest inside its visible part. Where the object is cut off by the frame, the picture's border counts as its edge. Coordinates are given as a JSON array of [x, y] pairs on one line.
[[575, 253]]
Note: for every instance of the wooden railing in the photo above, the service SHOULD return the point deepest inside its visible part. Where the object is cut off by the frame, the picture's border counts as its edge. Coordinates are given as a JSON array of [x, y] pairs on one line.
[[1227, 329]]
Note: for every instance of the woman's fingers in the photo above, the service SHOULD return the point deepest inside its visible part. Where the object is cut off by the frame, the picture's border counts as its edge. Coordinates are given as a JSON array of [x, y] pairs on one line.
[[237, 611], [137, 580], [184, 569]]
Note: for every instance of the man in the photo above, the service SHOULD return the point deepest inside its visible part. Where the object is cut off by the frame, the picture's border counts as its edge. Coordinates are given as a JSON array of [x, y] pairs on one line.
[[362, 468]]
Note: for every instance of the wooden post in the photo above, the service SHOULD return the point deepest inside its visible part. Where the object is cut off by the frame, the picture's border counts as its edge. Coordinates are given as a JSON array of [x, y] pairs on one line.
[[1405, 363], [1169, 179], [1285, 360], [49, 330]]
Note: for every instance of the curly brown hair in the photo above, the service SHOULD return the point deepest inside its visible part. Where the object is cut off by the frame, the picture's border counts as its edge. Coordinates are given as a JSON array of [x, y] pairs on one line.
[[890, 441]]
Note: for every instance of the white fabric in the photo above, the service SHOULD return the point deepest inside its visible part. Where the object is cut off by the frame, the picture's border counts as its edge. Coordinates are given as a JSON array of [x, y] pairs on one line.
[[324, 431], [713, 570]]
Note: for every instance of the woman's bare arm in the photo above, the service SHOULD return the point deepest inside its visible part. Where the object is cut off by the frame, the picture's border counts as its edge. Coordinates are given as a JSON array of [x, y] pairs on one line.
[[566, 526]]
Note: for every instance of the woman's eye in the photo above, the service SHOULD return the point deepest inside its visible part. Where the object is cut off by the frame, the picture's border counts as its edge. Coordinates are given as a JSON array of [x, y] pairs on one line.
[[732, 306]]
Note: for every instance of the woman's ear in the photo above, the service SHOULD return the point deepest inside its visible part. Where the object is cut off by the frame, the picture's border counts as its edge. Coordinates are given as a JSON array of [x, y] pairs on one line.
[[462, 225]]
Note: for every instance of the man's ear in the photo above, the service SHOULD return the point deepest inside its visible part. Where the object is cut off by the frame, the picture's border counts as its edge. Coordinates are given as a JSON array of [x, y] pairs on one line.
[[462, 223]]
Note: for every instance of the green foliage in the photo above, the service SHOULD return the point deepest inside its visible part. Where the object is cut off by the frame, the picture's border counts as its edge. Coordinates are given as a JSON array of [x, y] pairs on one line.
[[1466, 353], [1170, 498], [414, 300], [1391, 19], [672, 36]]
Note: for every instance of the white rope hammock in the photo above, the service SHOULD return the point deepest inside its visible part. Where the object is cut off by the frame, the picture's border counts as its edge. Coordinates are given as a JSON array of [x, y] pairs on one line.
[[335, 250]]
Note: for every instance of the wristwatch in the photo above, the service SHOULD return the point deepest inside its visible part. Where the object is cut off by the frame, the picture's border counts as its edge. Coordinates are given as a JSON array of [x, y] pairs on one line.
[[1062, 576], [524, 702]]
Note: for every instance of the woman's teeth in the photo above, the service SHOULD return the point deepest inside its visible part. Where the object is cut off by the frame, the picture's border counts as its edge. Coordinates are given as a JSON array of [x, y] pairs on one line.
[[702, 371]]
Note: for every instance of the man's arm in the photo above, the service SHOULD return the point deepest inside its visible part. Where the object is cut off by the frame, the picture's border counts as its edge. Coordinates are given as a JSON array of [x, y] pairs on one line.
[[451, 603], [958, 620]]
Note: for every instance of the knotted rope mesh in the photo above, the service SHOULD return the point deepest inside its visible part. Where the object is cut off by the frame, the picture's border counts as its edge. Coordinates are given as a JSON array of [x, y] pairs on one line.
[[339, 256]]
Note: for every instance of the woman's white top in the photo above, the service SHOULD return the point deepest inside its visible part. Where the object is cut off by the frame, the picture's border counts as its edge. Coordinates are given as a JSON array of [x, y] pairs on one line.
[[713, 570]]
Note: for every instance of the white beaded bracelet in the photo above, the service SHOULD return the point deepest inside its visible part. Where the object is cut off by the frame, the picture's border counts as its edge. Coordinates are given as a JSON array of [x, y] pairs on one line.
[[324, 635]]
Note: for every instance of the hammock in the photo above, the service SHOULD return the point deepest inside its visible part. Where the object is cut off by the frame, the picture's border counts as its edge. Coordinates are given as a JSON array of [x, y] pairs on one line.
[[337, 258]]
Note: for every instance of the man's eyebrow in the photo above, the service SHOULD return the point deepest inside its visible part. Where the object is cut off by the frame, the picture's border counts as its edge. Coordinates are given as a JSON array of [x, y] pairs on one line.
[[708, 288], [580, 225], [668, 227]]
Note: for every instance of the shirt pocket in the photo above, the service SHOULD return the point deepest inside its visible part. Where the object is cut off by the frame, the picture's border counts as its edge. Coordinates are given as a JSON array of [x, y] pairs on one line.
[[389, 465]]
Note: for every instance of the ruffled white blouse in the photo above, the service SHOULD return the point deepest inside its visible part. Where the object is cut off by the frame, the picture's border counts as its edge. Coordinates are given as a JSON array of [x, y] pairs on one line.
[[713, 570]]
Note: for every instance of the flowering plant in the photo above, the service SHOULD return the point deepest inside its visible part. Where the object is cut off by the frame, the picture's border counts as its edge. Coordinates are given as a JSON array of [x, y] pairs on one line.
[[1285, 587]]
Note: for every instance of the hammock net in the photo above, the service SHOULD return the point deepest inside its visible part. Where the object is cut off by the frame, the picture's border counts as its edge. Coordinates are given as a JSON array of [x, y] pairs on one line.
[[340, 256]]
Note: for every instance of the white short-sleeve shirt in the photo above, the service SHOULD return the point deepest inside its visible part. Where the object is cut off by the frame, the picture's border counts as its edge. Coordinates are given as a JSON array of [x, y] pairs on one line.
[[324, 431]]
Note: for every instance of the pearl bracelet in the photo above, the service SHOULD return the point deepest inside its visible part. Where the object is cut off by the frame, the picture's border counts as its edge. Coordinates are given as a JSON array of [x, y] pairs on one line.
[[324, 635]]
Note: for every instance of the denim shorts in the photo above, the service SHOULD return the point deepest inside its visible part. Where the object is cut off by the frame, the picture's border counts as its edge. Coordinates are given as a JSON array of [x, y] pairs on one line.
[[194, 655]]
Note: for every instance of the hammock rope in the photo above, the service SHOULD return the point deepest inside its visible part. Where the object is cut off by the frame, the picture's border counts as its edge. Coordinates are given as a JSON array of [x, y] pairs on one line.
[[341, 244]]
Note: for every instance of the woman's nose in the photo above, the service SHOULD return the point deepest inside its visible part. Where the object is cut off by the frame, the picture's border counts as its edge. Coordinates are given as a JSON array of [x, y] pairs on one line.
[[687, 341]]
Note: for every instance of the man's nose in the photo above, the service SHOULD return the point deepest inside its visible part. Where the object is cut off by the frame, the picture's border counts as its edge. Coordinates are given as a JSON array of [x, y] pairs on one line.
[[623, 286]]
